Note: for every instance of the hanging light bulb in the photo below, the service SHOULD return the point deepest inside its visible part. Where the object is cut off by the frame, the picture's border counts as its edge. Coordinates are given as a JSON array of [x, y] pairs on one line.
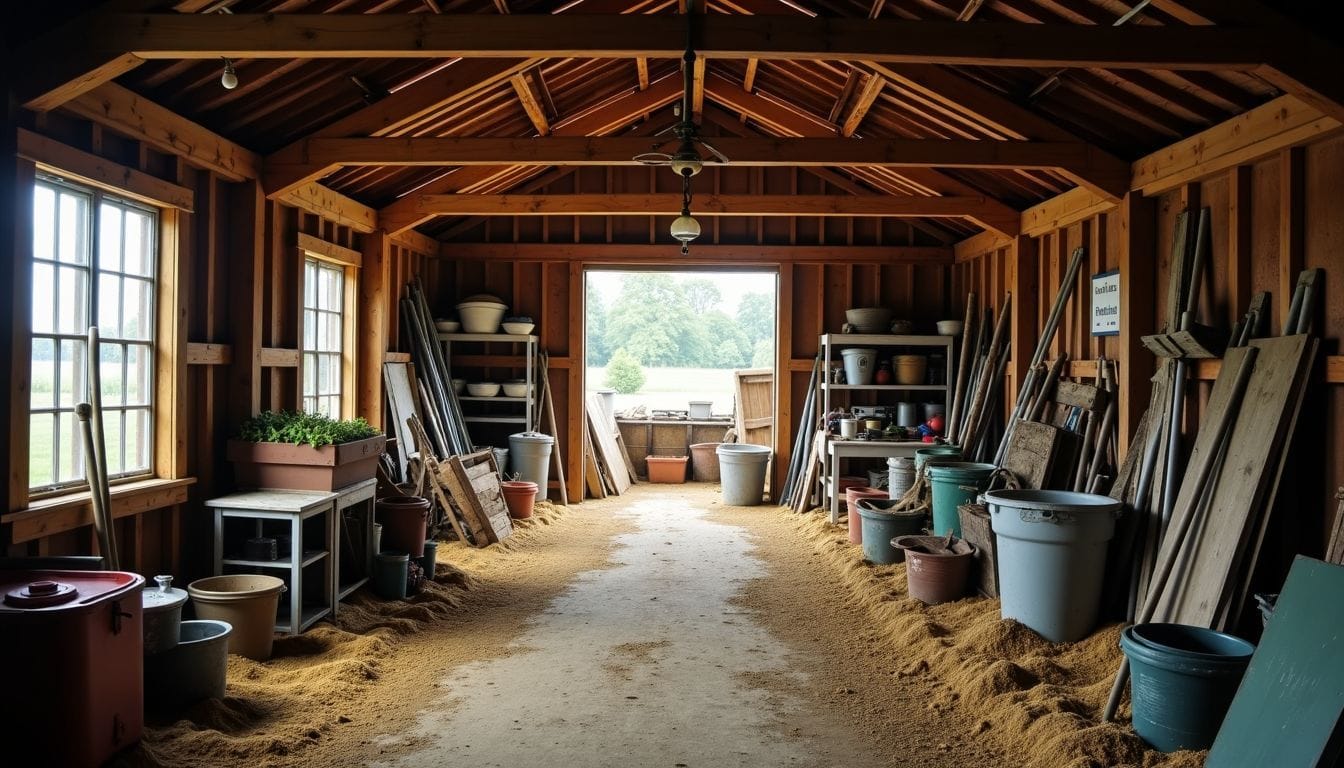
[[230, 77], [684, 227]]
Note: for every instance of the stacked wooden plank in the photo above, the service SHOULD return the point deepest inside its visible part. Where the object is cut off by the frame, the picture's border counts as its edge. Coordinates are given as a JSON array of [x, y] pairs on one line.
[[1206, 555], [607, 466]]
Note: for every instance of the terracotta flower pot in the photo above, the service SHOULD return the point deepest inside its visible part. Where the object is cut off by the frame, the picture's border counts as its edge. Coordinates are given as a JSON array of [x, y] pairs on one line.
[[405, 523], [520, 496]]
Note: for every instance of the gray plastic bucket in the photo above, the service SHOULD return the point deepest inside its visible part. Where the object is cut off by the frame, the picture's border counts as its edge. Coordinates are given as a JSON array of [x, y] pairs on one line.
[[880, 527], [192, 670], [1182, 680], [954, 483], [532, 458], [742, 473], [900, 476], [1052, 557]]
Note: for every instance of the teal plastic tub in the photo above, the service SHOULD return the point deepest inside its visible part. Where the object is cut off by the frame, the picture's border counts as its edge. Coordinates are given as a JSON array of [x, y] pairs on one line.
[[1181, 682], [938, 452], [954, 483]]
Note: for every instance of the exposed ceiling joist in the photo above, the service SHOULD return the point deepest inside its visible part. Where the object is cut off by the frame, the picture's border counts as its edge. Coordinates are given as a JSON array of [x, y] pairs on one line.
[[198, 36], [602, 119], [783, 152], [858, 109], [536, 111], [667, 204], [706, 253]]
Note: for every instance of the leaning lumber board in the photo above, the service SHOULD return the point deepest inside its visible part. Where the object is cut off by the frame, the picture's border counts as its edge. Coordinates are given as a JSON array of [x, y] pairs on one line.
[[1212, 551], [1031, 453], [1334, 551], [591, 476], [1083, 396], [606, 446]]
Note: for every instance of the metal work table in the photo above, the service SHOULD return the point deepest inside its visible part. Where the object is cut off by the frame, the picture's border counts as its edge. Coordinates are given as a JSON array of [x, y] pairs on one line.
[[839, 448]]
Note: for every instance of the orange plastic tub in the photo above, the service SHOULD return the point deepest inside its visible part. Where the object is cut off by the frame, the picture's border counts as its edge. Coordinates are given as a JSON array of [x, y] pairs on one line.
[[667, 469]]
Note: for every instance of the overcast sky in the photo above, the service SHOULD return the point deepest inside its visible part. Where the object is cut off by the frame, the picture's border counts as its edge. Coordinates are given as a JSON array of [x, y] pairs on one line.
[[731, 284]]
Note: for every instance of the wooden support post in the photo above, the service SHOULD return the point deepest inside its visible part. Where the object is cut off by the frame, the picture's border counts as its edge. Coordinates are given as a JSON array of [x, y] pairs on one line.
[[785, 419], [1138, 279], [1239, 243], [248, 258], [377, 308], [16, 201], [575, 412], [1292, 220], [1022, 281]]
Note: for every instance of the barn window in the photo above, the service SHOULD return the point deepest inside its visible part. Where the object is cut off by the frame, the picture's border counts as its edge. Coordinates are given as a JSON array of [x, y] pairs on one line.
[[94, 263], [324, 333]]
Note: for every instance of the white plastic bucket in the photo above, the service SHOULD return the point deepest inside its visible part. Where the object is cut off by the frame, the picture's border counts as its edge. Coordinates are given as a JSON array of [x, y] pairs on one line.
[[860, 363], [531, 452], [1052, 558], [742, 473]]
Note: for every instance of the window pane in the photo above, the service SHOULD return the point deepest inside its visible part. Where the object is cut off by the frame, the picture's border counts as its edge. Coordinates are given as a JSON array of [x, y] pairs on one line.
[[41, 444], [72, 310], [70, 451], [44, 295], [321, 373], [112, 431], [110, 371], [109, 237], [71, 374], [137, 311], [109, 305], [335, 285], [139, 372], [73, 238], [310, 283], [138, 441], [309, 374], [44, 223], [134, 244], [43, 373]]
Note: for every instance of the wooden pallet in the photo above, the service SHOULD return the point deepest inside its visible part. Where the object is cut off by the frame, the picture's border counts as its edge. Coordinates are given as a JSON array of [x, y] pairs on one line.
[[473, 481]]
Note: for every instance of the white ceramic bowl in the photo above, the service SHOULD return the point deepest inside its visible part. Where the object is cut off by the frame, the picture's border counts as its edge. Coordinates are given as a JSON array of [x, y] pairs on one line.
[[458, 385], [869, 319], [483, 389], [481, 314], [447, 326], [515, 389], [950, 327], [518, 329]]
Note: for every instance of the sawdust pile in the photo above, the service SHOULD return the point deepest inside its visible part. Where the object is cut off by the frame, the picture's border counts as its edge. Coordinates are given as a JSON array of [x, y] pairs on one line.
[[1039, 701], [327, 677]]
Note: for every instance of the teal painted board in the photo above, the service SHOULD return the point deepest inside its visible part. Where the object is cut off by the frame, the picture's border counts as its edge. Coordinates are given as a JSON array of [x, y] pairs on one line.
[[1287, 711]]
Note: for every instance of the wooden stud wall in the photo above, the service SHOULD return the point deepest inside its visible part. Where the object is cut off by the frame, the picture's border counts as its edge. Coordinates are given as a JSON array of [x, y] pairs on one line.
[[1270, 218], [235, 259]]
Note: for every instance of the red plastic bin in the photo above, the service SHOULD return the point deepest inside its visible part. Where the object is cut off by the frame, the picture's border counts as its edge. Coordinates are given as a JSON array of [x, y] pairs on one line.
[[73, 666]]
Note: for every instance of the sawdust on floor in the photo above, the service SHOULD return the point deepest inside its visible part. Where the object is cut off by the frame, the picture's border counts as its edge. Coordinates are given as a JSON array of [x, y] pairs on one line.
[[933, 686], [1000, 685]]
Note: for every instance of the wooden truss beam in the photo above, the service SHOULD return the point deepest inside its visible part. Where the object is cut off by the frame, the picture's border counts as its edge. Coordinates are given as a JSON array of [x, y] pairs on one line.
[[610, 116], [858, 109], [1077, 158], [307, 36], [532, 105], [668, 203], [709, 254]]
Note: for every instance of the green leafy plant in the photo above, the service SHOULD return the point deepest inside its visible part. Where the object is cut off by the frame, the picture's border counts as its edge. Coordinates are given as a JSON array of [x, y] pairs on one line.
[[298, 427], [624, 373]]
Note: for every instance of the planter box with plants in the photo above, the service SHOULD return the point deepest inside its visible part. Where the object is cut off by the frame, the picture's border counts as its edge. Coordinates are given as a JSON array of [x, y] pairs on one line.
[[304, 451]]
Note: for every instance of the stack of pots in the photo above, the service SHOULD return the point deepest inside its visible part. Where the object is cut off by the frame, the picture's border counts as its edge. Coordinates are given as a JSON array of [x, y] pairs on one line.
[[481, 313], [520, 496], [185, 661]]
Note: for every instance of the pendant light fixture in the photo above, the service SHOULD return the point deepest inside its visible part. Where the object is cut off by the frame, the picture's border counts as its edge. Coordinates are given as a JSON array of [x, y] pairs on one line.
[[229, 80], [685, 228]]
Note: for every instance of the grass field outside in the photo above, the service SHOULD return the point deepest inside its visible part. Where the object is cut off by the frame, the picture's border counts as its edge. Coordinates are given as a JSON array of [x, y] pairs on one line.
[[674, 388]]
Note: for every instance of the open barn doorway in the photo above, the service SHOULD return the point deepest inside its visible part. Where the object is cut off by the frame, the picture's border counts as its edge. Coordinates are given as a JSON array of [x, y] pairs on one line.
[[683, 360]]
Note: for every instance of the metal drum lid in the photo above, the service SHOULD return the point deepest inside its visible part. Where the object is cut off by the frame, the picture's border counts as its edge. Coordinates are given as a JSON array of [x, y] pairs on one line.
[[41, 594]]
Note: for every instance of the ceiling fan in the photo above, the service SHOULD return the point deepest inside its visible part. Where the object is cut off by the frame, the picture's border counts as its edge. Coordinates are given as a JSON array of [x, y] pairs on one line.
[[686, 161]]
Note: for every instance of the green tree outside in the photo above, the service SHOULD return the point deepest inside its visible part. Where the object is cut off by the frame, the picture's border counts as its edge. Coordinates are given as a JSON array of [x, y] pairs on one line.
[[624, 373]]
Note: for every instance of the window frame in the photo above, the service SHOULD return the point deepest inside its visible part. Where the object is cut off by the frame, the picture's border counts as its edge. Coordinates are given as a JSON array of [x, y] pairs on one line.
[[150, 346], [349, 322]]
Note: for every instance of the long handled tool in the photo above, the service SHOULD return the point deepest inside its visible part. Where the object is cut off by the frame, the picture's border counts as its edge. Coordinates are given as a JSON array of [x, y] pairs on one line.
[[959, 391], [102, 519], [544, 363], [1042, 344]]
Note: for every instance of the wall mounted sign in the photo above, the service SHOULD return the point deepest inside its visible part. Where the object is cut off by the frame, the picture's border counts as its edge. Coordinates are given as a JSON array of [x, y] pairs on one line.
[[1106, 304]]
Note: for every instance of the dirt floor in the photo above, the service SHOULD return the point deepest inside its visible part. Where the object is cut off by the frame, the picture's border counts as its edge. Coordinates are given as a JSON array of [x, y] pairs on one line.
[[661, 628]]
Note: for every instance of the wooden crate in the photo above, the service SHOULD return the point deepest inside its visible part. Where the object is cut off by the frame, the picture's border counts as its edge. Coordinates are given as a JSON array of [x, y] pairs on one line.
[[474, 483], [975, 528]]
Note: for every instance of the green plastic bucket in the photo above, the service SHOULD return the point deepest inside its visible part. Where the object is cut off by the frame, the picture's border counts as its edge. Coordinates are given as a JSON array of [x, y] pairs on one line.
[[1052, 558], [1181, 682], [938, 452], [954, 483], [389, 575], [881, 526]]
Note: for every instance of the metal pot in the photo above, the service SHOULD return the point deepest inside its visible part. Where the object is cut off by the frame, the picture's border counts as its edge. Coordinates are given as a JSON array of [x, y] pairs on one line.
[[162, 614]]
